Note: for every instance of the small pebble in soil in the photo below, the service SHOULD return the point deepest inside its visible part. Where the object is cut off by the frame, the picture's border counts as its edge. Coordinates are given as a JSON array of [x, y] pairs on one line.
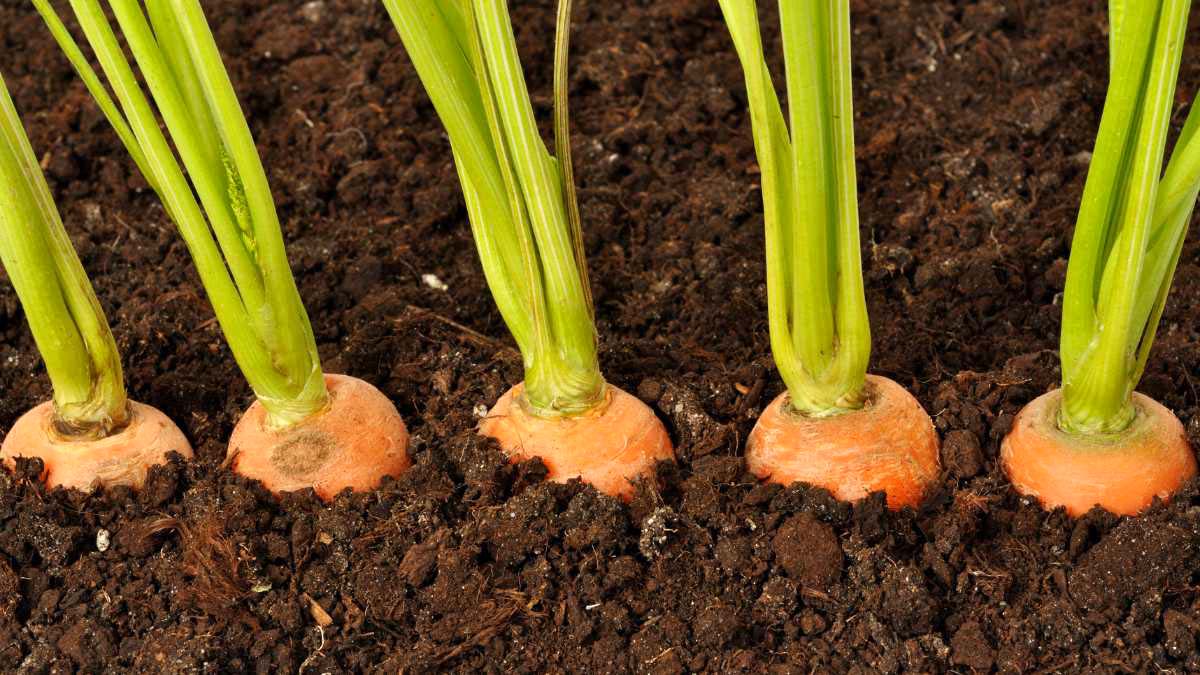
[[432, 281], [103, 538], [313, 11]]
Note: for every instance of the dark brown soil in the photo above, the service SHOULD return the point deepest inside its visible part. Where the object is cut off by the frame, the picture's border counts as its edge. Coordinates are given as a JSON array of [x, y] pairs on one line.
[[974, 124]]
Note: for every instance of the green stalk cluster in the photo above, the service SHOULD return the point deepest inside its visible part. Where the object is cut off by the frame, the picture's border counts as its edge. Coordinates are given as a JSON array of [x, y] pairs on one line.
[[225, 213], [520, 198], [524, 215], [64, 315], [816, 306], [1131, 224]]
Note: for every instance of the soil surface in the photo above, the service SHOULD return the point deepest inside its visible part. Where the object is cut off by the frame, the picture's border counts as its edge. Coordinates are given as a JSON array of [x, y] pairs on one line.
[[974, 123]]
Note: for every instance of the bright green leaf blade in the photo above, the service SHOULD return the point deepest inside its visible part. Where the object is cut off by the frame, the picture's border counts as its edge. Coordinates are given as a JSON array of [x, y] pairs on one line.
[[568, 313], [816, 304], [31, 268], [180, 203], [774, 149], [440, 53], [94, 86], [1097, 391], [518, 196], [1095, 229], [853, 326], [804, 25], [288, 333]]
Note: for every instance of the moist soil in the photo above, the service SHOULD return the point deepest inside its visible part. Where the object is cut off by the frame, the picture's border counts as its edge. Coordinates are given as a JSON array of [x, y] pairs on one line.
[[974, 124]]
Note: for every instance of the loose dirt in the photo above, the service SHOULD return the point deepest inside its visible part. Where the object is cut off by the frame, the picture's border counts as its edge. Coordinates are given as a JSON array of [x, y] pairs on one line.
[[974, 123]]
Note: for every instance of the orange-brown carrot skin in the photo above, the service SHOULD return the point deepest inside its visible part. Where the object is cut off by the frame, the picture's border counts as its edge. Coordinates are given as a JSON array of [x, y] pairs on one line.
[[123, 458], [889, 445], [353, 443], [608, 447], [1122, 472]]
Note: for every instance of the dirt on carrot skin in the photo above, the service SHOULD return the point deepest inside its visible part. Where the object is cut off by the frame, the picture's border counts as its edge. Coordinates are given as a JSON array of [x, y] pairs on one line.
[[974, 121]]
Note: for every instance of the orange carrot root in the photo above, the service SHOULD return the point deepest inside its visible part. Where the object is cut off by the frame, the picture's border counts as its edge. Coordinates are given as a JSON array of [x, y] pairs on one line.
[[607, 447], [889, 445], [124, 458], [354, 443], [1122, 473]]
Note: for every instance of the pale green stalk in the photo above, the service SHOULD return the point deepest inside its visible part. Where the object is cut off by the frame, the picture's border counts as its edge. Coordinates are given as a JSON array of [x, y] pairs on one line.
[[225, 212], [1131, 223], [816, 304], [520, 199], [64, 315]]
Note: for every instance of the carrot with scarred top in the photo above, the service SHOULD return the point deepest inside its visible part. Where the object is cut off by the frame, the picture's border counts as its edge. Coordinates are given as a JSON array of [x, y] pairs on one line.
[[307, 429]]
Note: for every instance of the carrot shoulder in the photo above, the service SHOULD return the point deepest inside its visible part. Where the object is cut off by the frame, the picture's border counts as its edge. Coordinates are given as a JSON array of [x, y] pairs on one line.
[[123, 457], [353, 443], [1121, 472], [607, 447], [889, 445]]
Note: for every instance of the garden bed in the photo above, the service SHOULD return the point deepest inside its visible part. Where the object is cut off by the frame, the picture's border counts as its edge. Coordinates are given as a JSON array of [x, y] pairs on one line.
[[973, 123]]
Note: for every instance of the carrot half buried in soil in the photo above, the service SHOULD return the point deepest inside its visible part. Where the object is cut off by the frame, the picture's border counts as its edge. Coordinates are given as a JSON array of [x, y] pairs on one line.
[[305, 429], [525, 220], [90, 434], [351, 444], [888, 445], [122, 457], [1123, 471], [605, 446], [1095, 442], [835, 426]]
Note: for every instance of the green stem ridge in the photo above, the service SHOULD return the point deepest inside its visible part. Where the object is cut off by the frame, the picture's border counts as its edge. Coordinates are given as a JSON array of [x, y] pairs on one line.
[[520, 199], [816, 303], [225, 213], [64, 315], [1132, 220]]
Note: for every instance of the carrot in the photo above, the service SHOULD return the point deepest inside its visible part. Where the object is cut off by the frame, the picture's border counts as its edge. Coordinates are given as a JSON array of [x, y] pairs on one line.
[[1121, 472], [1095, 441], [90, 434], [525, 219], [123, 457], [888, 445], [835, 426], [352, 444], [305, 429], [609, 445]]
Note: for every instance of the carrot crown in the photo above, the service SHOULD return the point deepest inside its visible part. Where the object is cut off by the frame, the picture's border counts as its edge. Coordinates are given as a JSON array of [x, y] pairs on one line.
[[816, 307], [1132, 220], [225, 213], [520, 199], [64, 315]]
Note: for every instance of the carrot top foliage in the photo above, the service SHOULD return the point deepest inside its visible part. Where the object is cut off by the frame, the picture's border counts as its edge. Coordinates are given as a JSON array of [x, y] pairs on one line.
[[520, 199], [64, 315], [215, 188], [816, 307], [1132, 220]]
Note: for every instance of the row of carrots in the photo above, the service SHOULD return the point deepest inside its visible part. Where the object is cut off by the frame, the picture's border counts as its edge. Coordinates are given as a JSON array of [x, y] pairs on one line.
[[1092, 442]]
